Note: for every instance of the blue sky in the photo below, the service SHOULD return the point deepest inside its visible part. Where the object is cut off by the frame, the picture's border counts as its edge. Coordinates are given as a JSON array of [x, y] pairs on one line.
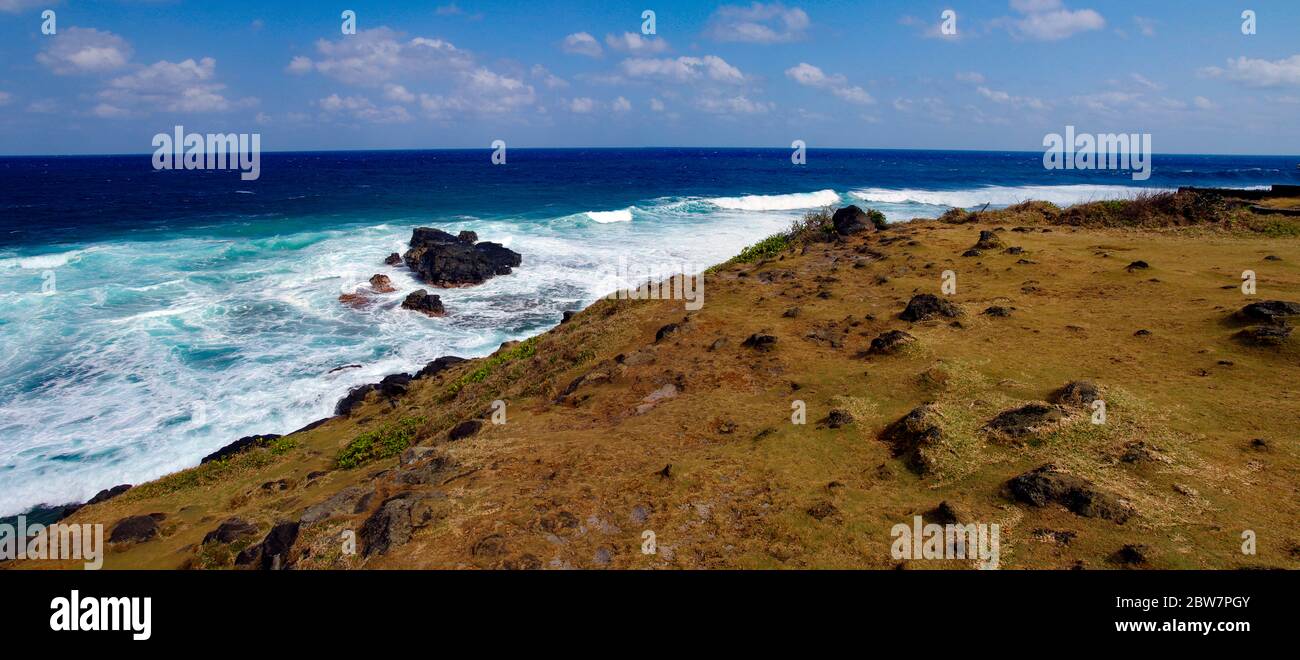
[[537, 74]]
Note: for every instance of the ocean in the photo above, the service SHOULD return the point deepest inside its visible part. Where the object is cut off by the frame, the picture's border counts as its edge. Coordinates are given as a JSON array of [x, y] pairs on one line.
[[148, 318]]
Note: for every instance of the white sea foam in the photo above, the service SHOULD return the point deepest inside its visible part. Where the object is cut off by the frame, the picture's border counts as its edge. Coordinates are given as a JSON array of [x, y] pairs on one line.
[[606, 217], [787, 202], [996, 195]]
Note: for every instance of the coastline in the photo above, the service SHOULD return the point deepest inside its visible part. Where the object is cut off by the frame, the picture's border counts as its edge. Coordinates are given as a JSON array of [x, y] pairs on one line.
[[445, 387]]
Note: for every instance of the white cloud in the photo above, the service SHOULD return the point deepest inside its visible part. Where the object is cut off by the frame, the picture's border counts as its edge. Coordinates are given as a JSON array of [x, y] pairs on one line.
[[972, 77], [186, 86], [18, 6], [84, 50], [5, 98], [656, 105], [363, 109], [581, 43], [549, 79], [683, 69], [634, 43], [1258, 73], [398, 93], [1147, 26], [931, 107], [582, 105], [1004, 98], [1203, 103], [811, 76], [733, 105], [373, 57], [300, 65], [43, 106], [384, 58], [759, 23], [1143, 81], [1050, 20]]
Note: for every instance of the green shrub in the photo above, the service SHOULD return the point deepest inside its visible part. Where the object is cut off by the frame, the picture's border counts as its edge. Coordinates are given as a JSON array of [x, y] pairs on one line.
[[525, 349], [388, 440]]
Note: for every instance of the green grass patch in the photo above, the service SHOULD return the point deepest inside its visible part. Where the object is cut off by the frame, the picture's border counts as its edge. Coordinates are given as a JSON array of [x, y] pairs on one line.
[[524, 350], [388, 440]]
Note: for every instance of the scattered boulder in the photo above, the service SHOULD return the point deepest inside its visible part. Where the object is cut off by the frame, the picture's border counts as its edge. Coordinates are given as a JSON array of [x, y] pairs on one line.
[[230, 531], [1077, 393], [465, 429], [568, 316], [972, 253], [445, 260], [839, 417], [1026, 421], [108, 494], [998, 311], [1131, 555], [889, 343], [438, 365], [394, 385], [1269, 311], [1264, 335], [853, 220], [273, 551], [346, 501], [393, 522], [988, 241], [136, 529], [1137, 265], [244, 444], [944, 514], [666, 331], [420, 301], [381, 284], [760, 341], [1259, 444], [355, 397], [393, 259], [916, 437], [1048, 484], [791, 313], [926, 306]]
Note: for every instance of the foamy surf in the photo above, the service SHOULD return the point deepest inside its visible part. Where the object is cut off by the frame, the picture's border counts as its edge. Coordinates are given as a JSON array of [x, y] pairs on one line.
[[606, 217], [997, 196], [786, 202]]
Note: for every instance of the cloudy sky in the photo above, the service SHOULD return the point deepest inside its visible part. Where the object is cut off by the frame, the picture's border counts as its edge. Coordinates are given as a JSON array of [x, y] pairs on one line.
[[851, 73]]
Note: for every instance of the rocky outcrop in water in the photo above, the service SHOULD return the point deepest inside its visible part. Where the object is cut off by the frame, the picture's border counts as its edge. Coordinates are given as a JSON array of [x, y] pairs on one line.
[[447, 261]]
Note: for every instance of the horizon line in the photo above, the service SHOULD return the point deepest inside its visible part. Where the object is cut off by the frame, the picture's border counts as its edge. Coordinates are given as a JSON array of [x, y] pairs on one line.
[[628, 148]]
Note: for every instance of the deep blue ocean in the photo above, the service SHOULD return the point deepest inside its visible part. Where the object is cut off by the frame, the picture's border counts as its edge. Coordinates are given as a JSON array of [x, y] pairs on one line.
[[150, 317]]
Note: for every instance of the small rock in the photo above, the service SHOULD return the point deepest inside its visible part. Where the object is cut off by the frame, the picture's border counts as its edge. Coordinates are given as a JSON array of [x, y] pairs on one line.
[[1131, 555], [1259, 444], [822, 510], [793, 312], [381, 284], [916, 437], [927, 305], [760, 342], [1137, 265], [998, 311], [393, 259], [666, 332], [465, 429], [421, 301], [988, 241], [1026, 421], [136, 529], [230, 531], [1048, 484], [889, 343], [1269, 311], [839, 417], [1264, 335], [1077, 393]]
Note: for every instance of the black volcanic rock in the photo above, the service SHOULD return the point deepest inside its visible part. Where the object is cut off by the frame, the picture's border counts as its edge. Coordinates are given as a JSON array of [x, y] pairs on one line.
[[927, 305], [1269, 310], [136, 529], [240, 445], [108, 494], [852, 220], [393, 259], [1047, 484], [438, 366], [445, 260], [420, 301]]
